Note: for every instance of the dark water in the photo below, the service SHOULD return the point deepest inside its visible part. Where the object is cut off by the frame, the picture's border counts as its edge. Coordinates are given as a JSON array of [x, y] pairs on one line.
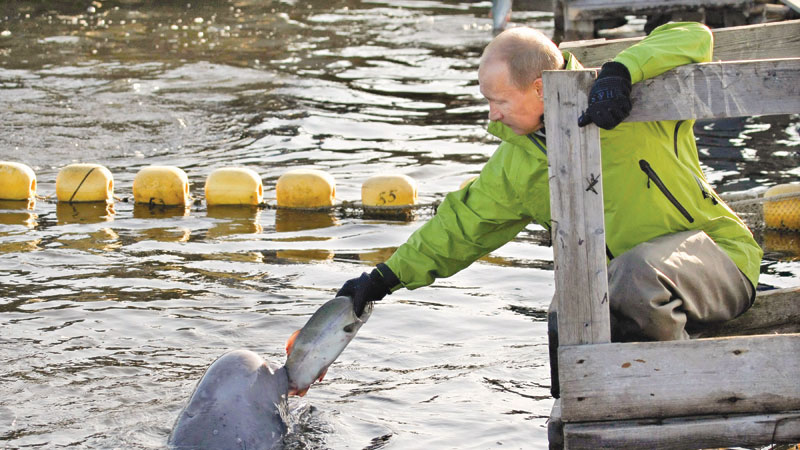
[[108, 317]]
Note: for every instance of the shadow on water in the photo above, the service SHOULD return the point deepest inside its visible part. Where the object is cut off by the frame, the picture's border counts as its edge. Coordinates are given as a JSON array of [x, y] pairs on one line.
[[111, 313]]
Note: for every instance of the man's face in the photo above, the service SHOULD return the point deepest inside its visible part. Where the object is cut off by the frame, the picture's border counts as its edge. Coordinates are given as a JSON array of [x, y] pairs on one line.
[[519, 109]]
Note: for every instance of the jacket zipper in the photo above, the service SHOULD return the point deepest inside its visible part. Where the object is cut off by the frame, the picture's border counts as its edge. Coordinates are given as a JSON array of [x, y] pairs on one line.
[[675, 136], [703, 190], [535, 141], [651, 175]]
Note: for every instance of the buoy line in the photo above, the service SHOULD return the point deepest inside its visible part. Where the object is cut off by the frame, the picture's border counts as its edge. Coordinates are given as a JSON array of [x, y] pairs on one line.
[[777, 209], [390, 196], [344, 208], [356, 209], [761, 200]]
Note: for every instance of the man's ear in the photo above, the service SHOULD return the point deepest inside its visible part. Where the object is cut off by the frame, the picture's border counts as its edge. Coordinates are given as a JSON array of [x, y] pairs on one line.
[[539, 87]]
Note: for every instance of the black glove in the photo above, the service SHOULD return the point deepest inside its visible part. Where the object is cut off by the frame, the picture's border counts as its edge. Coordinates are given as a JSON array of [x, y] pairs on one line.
[[609, 99], [369, 288]]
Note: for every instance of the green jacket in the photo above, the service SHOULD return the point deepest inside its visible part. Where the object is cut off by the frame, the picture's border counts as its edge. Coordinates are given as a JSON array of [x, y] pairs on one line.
[[653, 184]]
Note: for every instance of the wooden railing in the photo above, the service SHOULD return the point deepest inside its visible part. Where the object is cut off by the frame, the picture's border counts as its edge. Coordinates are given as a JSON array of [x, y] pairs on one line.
[[769, 40]]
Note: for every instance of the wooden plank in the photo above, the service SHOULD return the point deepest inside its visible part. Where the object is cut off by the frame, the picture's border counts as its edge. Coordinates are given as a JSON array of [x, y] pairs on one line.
[[576, 209], [596, 9], [714, 90], [634, 5], [686, 432], [773, 311], [794, 4], [756, 374], [762, 41]]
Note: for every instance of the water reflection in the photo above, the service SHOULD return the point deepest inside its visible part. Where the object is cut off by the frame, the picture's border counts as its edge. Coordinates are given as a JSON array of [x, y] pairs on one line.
[[246, 257], [399, 214], [304, 256], [14, 212], [287, 220], [102, 240], [377, 256], [165, 234], [152, 211], [11, 242], [234, 220], [86, 213], [291, 220], [783, 242]]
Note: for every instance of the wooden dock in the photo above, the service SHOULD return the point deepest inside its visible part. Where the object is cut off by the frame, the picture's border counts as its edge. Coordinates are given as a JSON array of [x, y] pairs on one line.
[[722, 390], [582, 19]]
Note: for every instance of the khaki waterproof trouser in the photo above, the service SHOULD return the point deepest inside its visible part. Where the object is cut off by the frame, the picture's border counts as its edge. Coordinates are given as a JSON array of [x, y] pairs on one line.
[[668, 287], [665, 289]]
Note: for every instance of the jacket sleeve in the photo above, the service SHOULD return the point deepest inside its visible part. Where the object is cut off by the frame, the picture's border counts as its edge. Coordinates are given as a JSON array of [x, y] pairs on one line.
[[667, 47], [469, 224]]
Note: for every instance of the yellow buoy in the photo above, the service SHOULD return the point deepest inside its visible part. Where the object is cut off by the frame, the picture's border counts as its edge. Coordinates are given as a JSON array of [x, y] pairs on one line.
[[234, 186], [305, 188], [389, 190], [17, 181], [84, 183], [161, 185], [785, 213]]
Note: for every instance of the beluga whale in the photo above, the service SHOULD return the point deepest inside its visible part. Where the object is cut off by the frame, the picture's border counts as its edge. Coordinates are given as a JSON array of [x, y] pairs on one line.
[[240, 401]]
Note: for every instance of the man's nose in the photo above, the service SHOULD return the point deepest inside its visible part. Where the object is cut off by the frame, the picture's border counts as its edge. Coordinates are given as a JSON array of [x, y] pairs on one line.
[[494, 114]]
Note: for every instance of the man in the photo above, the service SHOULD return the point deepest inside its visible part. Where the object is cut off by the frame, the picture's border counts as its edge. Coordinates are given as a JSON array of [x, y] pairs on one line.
[[679, 258]]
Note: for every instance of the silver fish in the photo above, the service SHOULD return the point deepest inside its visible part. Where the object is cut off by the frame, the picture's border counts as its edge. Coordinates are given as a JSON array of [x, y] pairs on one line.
[[317, 345]]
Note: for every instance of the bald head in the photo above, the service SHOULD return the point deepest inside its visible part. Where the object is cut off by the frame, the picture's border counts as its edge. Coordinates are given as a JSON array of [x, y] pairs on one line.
[[526, 53]]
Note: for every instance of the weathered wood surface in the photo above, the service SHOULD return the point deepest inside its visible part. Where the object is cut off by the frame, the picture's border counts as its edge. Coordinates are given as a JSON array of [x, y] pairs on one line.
[[630, 384], [776, 311], [794, 4], [715, 90], [590, 9], [555, 427], [688, 432], [756, 374], [576, 208], [762, 41]]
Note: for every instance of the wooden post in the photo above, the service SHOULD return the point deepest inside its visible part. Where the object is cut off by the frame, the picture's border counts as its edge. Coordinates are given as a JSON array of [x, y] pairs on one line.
[[576, 209], [576, 25]]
